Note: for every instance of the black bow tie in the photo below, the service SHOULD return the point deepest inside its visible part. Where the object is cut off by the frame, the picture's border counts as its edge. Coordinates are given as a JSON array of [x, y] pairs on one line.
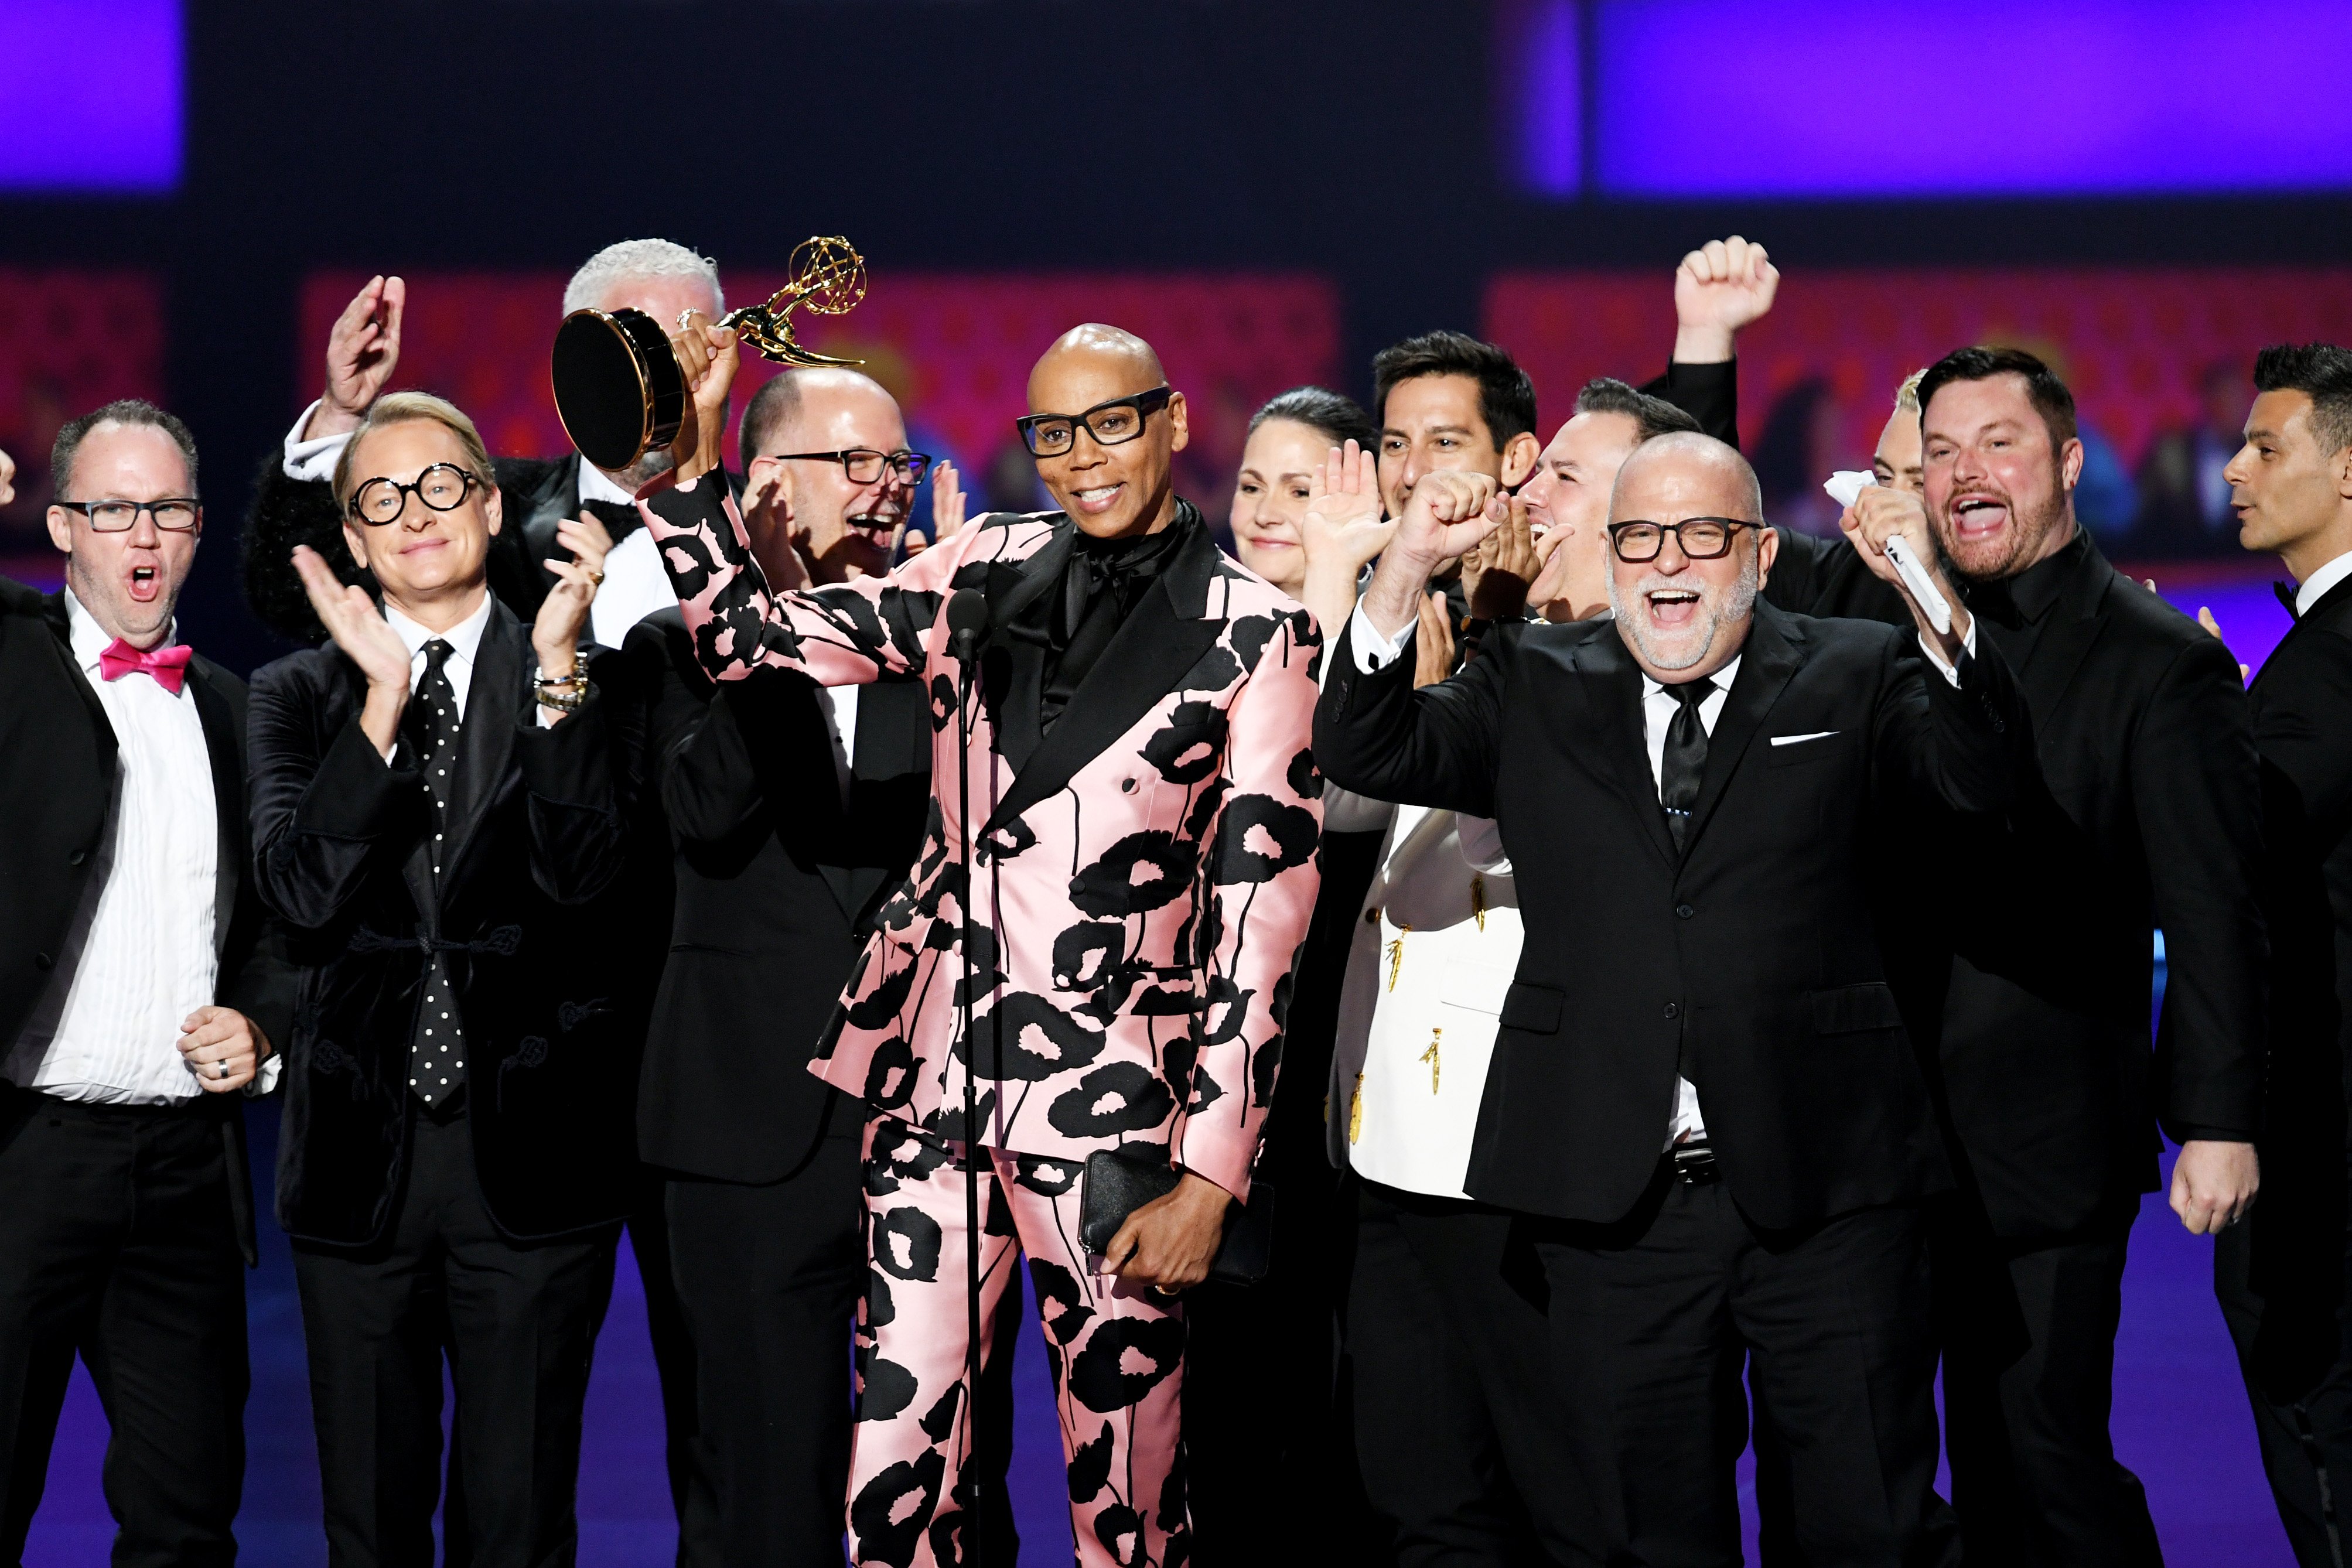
[[620, 518], [2285, 592]]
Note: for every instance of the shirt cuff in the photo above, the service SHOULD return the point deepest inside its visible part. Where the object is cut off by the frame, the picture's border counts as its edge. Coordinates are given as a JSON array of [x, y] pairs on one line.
[[1374, 652], [313, 459], [265, 1082], [1937, 659]]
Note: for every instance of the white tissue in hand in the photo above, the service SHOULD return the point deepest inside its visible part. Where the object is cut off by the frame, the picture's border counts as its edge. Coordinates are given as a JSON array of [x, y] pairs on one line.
[[1846, 486]]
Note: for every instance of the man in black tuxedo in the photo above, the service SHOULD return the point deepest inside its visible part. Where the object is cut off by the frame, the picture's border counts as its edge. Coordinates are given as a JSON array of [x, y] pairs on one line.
[[2282, 1276], [1701, 1078], [793, 812], [2149, 817], [139, 998], [439, 800], [294, 504]]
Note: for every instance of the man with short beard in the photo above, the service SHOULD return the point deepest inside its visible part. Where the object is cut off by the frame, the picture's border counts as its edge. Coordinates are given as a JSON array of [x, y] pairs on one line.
[[2151, 819], [1702, 1095]]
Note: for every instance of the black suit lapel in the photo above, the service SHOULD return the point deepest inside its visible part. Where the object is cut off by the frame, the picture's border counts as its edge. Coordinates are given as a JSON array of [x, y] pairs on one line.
[[1610, 686], [2333, 599], [53, 610], [229, 799], [486, 738], [1766, 664], [1154, 648]]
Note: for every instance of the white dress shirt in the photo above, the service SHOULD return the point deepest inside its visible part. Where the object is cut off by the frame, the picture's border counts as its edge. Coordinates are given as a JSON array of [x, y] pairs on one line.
[[139, 957], [2315, 587]]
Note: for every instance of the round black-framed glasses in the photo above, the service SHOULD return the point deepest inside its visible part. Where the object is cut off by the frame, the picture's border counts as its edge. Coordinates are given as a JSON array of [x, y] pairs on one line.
[[443, 487]]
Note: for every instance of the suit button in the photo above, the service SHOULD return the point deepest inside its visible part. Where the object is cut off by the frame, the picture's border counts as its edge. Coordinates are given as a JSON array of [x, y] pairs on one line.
[[76, 857], [1674, 1009], [1078, 885], [43, 962], [1683, 911]]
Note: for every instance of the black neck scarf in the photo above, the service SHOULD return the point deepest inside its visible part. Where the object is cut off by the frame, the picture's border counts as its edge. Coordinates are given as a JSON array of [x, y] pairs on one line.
[[1100, 587]]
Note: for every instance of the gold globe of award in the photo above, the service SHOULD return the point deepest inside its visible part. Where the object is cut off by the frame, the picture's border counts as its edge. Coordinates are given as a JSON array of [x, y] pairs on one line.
[[618, 389]]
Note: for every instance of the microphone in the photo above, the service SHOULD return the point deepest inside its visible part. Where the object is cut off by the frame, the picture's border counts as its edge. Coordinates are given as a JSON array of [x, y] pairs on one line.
[[967, 622]]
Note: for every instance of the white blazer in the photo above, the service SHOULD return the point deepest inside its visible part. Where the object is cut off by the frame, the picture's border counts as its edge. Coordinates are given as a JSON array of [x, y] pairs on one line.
[[1434, 948]]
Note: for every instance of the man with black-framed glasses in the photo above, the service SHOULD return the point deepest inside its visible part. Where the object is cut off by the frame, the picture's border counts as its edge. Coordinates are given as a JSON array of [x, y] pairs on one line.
[[790, 810], [138, 1004], [1702, 1099]]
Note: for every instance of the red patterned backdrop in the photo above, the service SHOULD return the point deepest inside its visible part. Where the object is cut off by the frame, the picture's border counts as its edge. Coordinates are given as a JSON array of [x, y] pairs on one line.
[[955, 349], [2134, 344], [69, 341]]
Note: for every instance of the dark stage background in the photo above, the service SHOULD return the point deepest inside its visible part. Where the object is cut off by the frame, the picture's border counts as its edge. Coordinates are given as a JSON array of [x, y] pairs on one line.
[[189, 189]]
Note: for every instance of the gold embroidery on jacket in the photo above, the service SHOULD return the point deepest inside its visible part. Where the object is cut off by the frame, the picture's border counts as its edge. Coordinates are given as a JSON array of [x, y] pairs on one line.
[[1430, 1056]]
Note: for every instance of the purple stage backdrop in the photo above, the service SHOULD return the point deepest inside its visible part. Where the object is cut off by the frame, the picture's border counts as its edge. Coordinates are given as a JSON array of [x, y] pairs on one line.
[[1849, 99], [89, 100]]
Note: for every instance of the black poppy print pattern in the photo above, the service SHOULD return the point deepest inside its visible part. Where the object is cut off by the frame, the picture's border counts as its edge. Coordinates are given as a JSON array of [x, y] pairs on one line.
[[1117, 1355], [1131, 926]]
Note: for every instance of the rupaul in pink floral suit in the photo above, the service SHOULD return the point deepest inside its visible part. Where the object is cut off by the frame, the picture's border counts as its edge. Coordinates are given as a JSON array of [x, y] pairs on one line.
[[1148, 814]]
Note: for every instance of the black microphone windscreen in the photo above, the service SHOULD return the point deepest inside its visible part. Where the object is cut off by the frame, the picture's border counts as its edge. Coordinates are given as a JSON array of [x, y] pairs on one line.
[[967, 613]]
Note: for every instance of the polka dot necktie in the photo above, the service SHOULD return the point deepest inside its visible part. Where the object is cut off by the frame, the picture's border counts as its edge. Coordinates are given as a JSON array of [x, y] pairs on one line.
[[436, 1059]]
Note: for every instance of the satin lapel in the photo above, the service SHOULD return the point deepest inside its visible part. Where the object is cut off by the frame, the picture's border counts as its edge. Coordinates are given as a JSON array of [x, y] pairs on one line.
[[1154, 648], [2327, 600], [1609, 683], [486, 738], [53, 610], [1775, 649], [229, 799]]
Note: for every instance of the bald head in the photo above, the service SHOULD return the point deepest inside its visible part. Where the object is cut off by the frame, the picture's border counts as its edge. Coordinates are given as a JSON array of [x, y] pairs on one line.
[[1112, 473], [773, 421], [1111, 349], [1684, 474]]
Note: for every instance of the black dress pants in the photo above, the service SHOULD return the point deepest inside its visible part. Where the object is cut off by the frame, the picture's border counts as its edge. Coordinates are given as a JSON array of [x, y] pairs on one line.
[[2301, 1394], [118, 1241], [1467, 1448], [518, 1323], [685, 1453], [2028, 1383], [1653, 1318], [767, 1279]]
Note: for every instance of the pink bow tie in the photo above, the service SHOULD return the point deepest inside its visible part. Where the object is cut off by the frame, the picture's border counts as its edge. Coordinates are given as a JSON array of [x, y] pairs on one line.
[[168, 665]]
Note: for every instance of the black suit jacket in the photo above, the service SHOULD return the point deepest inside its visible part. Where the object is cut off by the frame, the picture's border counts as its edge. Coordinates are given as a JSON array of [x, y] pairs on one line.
[[538, 833], [538, 494], [2302, 700], [2148, 815], [57, 777], [1753, 958], [776, 884]]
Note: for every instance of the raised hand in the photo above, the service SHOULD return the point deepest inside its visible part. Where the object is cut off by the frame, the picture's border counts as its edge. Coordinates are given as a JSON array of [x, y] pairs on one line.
[[361, 350], [1881, 513], [947, 509], [555, 634], [360, 630], [1433, 642], [1723, 286], [707, 359], [1497, 573], [7, 478], [1343, 526]]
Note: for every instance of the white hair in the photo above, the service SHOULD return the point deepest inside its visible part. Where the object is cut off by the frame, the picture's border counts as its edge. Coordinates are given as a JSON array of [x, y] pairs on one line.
[[636, 258]]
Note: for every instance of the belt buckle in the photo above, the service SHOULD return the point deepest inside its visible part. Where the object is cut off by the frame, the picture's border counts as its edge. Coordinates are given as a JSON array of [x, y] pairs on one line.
[[1694, 1165]]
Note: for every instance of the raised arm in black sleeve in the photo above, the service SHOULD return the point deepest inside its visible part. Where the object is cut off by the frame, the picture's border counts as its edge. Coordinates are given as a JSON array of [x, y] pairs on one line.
[[1438, 746]]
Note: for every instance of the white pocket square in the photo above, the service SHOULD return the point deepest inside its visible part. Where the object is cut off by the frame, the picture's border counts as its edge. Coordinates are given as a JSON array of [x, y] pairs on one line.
[[1792, 739]]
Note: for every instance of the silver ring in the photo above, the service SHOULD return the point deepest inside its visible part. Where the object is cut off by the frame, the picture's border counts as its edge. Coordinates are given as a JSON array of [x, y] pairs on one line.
[[220, 1069]]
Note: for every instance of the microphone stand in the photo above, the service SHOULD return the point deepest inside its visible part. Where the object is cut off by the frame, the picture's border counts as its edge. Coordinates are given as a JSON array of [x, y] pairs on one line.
[[964, 643]]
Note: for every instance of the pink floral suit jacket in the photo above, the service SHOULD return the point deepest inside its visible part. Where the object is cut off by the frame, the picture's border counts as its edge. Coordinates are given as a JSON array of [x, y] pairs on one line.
[[1142, 881]]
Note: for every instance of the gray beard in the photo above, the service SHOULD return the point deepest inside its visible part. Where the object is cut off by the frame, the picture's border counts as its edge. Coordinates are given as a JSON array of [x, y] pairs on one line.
[[634, 477], [1737, 605]]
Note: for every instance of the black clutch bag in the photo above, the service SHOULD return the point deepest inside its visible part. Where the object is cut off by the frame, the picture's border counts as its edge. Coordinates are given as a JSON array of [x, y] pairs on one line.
[[1116, 1184]]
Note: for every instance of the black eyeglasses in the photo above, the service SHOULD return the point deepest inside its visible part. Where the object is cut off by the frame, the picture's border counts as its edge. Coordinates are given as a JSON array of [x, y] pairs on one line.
[[173, 513], [1700, 538], [1119, 420], [442, 487], [863, 465]]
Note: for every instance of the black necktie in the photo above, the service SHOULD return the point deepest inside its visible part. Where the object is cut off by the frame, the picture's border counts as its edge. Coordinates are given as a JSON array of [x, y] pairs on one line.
[[436, 1057], [2285, 592], [1685, 757]]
